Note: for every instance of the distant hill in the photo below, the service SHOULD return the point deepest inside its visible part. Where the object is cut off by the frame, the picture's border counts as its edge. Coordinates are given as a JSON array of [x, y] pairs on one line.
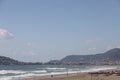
[[110, 57], [9, 61]]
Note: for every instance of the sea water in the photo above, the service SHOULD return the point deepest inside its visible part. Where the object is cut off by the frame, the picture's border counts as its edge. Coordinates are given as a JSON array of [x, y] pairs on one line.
[[18, 72]]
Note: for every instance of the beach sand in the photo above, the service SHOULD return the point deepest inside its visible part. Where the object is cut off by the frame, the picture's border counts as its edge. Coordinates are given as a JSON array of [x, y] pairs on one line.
[[82, 76]]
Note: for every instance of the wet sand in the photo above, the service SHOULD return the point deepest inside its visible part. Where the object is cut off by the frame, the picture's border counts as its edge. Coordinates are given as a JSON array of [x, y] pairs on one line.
[[101, 75]]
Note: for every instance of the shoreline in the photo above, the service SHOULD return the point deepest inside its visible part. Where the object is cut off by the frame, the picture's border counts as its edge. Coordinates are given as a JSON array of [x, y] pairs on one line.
[[111, 74], [55, 72]]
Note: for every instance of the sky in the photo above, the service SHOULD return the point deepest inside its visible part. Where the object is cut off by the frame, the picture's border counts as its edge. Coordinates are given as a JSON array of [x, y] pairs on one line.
[[43, 30]]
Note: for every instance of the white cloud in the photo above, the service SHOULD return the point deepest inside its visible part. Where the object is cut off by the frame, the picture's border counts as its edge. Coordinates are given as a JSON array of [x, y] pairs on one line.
[[29, 44], [4, 34], [92, 49]]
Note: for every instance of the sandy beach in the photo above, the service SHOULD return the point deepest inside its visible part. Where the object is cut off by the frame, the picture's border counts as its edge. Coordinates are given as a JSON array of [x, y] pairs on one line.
[[101, 75]]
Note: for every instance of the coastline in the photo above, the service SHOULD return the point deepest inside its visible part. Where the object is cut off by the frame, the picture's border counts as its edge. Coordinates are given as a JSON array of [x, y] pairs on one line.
[[51, 72], [112, 74]]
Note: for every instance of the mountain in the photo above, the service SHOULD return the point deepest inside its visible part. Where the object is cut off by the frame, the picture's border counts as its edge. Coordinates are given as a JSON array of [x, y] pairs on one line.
[[110, 57], [9, 61]]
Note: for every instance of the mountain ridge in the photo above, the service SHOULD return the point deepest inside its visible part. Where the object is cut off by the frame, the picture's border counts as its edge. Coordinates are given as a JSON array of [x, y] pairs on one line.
[[111, 56], [9, 61]]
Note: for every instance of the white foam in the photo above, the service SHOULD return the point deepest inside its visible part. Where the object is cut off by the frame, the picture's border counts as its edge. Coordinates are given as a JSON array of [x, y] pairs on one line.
[[17, 77], [5, 78], [95, 69], [12, 72], [25, 74], [40, 71], [54, 68]]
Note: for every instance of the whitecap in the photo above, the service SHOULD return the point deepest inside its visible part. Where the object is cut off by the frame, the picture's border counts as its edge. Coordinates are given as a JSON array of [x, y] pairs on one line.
[[12, 72]]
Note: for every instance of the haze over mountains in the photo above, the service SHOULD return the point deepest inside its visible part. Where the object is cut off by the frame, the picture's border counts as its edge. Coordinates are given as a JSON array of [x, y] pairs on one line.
[[9, 61], [110, 57], [113, 55]]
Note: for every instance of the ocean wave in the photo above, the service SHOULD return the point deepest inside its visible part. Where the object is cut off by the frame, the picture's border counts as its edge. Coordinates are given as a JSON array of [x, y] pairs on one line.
[[5, 78], [17, 77], [34, 73], [40, 71], [54, 68], [95, 69], [12, 72]]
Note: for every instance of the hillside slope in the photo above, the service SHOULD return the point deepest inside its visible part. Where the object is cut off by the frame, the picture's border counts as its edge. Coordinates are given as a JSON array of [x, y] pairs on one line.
[[112, 55]]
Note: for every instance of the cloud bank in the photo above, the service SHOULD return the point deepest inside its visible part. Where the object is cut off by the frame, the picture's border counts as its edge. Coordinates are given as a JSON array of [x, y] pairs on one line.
[[4, 34]]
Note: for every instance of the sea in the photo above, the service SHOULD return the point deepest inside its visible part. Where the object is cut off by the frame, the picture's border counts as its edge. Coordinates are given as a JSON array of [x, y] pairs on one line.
[[19, 72]]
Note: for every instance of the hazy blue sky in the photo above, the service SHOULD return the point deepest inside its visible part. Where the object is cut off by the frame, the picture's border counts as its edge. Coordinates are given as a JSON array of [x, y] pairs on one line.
[[41, 30]]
